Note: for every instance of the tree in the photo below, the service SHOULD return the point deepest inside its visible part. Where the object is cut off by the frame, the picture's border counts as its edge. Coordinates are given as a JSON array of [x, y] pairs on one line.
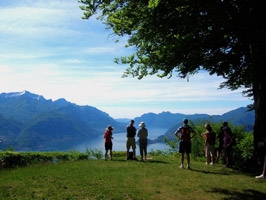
[[181, 37]]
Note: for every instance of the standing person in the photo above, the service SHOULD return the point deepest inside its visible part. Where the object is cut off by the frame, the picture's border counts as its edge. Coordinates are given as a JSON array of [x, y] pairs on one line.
[[209, 144], [227, 146], [185, 144], [220, 137], [130, 142], [143, 141], [108, 136]]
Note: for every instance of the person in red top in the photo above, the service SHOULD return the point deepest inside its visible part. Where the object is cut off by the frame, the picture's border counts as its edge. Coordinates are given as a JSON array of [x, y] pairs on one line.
[[183, 133], [108, 136]]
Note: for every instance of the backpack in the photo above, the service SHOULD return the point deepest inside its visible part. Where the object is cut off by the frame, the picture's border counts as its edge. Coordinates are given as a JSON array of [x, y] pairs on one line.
[[130, 155], [185, 133]]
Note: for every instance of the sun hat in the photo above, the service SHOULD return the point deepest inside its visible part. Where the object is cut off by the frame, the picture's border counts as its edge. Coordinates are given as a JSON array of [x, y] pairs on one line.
[[142, 124]]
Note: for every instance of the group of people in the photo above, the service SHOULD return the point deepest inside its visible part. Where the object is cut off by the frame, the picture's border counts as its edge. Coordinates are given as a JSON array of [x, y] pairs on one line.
[[185, 133], [132, 132]]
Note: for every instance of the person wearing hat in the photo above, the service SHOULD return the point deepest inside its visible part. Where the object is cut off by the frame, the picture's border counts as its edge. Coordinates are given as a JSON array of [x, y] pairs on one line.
[[108, 136], [130, 142], [183, 133], [143, 140]]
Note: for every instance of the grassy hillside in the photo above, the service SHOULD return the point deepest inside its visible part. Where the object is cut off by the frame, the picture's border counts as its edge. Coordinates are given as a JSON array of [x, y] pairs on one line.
[[157, 178]]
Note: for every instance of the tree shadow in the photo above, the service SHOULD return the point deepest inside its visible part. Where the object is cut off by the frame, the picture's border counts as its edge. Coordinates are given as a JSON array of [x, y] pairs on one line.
[[235, 195], [146, 161], [209, 172]]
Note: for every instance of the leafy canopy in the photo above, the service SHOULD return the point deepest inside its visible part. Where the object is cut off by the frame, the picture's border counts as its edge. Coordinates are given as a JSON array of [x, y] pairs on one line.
[[184, 36]]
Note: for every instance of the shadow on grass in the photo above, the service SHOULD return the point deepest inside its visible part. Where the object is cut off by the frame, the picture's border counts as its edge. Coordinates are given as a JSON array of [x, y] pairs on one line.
[[147, 161], [234, 195], [211, 172]]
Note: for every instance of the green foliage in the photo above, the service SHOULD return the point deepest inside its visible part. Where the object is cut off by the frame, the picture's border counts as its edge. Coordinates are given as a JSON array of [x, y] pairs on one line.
[[185, 36], [242, 151], [224, 38], [157, 152], [12, 159], [246, 146]]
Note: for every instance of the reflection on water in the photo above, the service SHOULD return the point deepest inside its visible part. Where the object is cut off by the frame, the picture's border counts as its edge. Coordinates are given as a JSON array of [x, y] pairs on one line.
[[119, 142]]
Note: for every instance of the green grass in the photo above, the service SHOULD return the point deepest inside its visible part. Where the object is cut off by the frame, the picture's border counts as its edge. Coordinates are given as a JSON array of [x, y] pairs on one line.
[[158, 178]]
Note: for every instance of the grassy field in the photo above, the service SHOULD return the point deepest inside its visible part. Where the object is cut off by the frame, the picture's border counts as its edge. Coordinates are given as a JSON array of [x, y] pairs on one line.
[[158, 178]]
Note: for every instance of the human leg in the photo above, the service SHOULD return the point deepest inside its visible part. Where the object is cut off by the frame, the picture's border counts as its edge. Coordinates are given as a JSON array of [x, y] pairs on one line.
[[145, 150], [141, 149], [133, 144], [188, 160], [264, 169], [127, 148], [188, 151], [182, 160], [111, 154], [106, 153], [182, 152]]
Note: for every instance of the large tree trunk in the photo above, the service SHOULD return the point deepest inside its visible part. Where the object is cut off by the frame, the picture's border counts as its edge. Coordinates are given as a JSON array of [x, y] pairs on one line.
[[259, 94]]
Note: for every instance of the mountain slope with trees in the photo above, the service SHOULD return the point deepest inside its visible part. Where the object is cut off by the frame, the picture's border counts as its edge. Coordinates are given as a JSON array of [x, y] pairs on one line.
[[30, 122]]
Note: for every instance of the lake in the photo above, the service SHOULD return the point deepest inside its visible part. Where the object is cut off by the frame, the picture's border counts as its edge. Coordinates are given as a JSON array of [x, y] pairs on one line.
[[119, 142]]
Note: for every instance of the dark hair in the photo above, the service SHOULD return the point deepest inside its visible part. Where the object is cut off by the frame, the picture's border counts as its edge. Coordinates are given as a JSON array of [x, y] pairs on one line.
[[185, 121], [132, 121]]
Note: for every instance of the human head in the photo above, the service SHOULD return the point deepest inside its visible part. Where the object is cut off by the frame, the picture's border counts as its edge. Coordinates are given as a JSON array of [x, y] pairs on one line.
[[142, 124], [110, 128], [208, 127], [225, 124], [185, 121]]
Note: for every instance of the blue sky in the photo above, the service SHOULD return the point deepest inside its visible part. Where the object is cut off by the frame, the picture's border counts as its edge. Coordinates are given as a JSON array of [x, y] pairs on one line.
[[47, 49]]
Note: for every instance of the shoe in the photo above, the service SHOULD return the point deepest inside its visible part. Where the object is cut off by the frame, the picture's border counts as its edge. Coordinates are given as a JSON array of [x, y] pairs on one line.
[[211, 163], [188, 167], [181, 166], [259, 177]]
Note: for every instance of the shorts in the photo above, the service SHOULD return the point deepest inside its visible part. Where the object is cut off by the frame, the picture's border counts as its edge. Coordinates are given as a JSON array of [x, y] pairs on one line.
[[184, 147], [108, 145], [131, 143], [209, 150]]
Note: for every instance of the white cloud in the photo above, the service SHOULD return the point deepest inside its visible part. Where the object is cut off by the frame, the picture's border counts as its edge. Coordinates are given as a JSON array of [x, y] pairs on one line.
[[47, 49]]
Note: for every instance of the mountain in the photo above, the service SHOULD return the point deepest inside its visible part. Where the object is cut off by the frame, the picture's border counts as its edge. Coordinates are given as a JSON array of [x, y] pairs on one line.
[[30, 122], [238, 117]]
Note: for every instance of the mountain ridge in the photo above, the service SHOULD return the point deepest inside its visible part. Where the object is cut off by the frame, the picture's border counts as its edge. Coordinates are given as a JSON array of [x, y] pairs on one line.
[[30, 122]]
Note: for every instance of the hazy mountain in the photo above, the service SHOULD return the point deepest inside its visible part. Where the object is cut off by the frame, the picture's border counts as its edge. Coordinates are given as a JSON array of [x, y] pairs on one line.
[[31, 122], [241, 116]]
